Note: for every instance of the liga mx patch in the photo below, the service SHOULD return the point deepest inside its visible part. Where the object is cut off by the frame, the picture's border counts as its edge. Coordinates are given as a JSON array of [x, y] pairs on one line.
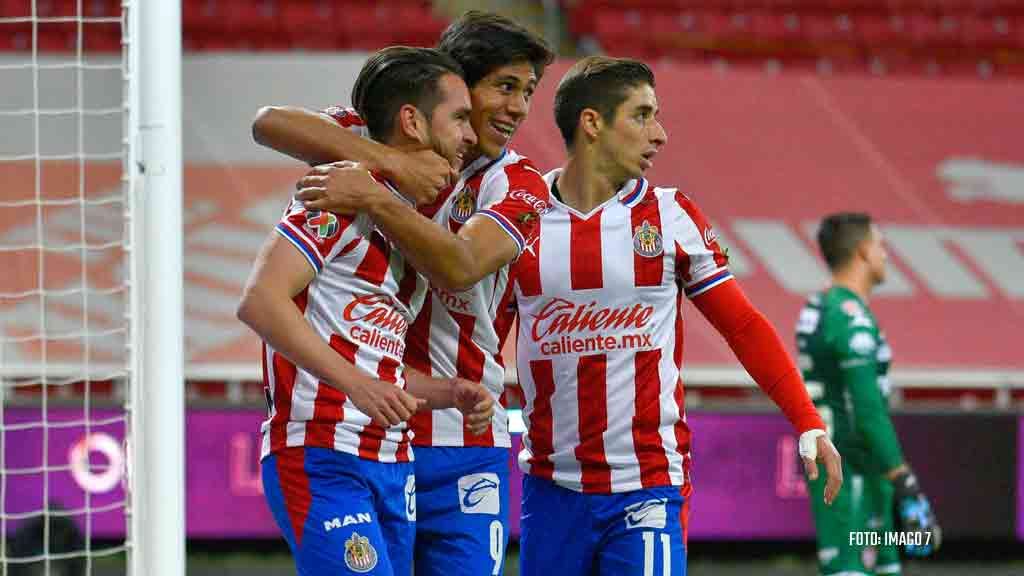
[[647, 240], [323, 225], [360, 555], [478, 493], [463, 206]]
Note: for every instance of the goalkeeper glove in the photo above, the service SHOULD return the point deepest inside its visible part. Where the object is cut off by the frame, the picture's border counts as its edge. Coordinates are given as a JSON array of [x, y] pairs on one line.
[[915, 513]]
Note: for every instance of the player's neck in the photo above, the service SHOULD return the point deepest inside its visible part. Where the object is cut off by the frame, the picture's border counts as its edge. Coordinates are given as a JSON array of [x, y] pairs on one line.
[[583, 186], [855, 281]]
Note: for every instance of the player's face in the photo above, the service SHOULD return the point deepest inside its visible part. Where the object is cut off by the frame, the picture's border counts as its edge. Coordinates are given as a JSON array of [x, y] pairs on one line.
[[635, 135], [501, 101], [451, 134], [876, 255]]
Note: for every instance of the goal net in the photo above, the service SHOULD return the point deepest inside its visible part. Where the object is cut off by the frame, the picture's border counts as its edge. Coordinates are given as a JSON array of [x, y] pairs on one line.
[[66, 284]]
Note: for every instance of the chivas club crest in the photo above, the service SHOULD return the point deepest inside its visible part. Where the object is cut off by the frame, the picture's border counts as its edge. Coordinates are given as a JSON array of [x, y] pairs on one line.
[[464, 206], [360, 556], [647, 240]]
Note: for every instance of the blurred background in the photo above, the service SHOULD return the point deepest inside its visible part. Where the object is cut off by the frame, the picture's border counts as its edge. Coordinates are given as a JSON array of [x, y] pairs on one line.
[[778, 112]]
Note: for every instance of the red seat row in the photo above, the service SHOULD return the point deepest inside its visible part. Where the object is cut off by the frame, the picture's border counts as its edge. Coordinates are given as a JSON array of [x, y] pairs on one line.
[[231, 24], [764, 32]]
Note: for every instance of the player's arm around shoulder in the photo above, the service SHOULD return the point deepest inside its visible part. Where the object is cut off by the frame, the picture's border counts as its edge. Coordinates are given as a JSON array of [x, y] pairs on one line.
[[339, 134], [511, 204]]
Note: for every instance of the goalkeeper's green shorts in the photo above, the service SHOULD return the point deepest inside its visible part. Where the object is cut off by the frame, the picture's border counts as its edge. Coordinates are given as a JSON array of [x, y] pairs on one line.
[[863, 506]]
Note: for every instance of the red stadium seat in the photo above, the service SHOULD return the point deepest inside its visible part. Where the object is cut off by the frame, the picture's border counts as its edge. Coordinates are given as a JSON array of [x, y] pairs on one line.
[[418, 26], [368, 26], [311, 24], [986, 32], [252, 17], [877, 30], [622, 32], [199, 16], [101, 37], [57, 36]]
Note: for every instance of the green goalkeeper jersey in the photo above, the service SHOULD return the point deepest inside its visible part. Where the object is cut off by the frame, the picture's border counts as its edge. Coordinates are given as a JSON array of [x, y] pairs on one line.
[[845, 362]]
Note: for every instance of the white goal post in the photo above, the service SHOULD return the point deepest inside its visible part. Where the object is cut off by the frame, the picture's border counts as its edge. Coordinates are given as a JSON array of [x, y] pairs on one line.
[[91, 288], [158, 446]]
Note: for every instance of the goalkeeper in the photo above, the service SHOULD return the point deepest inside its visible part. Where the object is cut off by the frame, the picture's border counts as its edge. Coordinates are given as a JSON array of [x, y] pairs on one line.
[[845, 361]]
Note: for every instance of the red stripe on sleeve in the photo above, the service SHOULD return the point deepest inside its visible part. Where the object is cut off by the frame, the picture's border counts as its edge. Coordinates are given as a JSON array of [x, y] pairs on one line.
[[541, 436], [592, 400], [585, 252], [704, 227], [647, 420]]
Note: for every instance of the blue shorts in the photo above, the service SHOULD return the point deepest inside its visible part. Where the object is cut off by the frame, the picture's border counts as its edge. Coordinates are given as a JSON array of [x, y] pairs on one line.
[[639, 533], [342, 514], [462, 523]]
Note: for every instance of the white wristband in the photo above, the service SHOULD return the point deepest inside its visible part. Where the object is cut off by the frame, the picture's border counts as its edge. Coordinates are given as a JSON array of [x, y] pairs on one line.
[[809, 443]]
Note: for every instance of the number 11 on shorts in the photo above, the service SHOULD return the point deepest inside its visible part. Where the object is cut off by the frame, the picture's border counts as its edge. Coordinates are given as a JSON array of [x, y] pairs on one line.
[[666, 554]]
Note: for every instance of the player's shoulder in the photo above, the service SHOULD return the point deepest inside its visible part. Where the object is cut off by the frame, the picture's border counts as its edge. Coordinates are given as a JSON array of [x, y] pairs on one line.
[[514, 167], [845, 311], [514, 172]]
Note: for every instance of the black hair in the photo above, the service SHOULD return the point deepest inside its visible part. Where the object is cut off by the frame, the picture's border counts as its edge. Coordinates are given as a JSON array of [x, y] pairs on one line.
[[396, 76], [840, 234], [600, 83], [482, 42]]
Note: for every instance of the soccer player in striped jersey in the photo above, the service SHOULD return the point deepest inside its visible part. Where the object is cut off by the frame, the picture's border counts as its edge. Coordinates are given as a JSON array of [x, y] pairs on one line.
[[600, 342], [480, 226], [333, 299]]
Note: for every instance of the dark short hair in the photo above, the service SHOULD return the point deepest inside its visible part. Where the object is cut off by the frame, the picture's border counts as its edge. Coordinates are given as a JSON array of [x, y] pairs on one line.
[[482, 42], [600, 83], [840, 234], [396, 76]]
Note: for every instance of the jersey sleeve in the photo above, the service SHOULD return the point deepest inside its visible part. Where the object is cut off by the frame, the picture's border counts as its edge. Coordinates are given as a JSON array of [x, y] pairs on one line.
[[316, 234], [347, 118], [855, 344], [701, 264], [515, 199]]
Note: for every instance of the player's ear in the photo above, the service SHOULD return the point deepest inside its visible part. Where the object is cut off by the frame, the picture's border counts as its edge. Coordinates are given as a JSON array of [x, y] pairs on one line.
[[590, 123], [413, 124]]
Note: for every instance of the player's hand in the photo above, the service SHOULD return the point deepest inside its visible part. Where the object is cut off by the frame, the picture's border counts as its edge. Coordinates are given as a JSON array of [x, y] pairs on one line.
[[341, 187], [421, 174], [385, 403], [816, 447], [916, 515], [475, 403]]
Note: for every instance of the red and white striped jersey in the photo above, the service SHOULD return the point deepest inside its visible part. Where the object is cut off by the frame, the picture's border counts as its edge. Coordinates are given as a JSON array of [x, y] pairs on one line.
[[362, 300], [600, 342], [462, 333]]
